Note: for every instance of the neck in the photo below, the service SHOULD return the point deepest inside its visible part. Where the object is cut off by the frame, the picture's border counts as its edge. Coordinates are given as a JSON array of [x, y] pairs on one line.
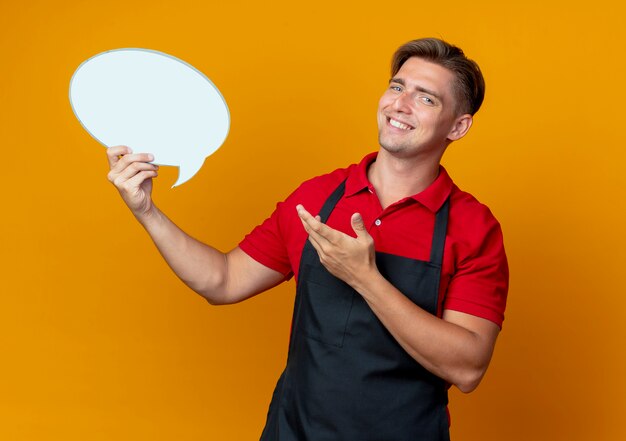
[[397, 178]]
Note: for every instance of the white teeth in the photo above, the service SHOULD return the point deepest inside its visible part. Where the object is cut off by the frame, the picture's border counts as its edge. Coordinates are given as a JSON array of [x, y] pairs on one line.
[[398, 124]]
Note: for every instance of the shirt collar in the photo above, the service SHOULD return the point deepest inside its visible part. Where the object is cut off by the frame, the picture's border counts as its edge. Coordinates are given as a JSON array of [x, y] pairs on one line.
[[432, 197]]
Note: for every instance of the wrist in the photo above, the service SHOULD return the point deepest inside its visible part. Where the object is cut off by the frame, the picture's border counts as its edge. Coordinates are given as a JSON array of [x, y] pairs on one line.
[[150, 217], [367, 281]]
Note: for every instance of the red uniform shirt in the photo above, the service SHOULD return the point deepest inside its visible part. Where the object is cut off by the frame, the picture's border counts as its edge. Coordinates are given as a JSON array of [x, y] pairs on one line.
[[474, 277]]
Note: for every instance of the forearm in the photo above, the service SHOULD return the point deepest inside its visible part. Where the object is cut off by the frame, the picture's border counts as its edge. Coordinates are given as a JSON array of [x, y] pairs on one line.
[[201, 267], [218, 277], [452, 352]]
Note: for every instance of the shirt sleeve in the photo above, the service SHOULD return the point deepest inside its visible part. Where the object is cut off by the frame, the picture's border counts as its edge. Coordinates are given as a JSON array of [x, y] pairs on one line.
[[266, 244], [277, 243], [480, 283]]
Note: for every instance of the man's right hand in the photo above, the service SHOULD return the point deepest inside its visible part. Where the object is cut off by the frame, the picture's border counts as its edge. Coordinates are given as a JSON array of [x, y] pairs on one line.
[[132, 176]]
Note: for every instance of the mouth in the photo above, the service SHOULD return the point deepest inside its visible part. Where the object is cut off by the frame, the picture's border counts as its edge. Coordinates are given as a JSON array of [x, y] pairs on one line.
[[399, 124]]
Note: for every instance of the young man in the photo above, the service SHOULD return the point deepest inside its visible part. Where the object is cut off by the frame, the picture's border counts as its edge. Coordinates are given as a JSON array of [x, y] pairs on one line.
[[401, 277]]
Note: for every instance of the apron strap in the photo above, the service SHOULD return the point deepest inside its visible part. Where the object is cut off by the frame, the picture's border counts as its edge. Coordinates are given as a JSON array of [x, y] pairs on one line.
[[330, 203], [310, 255], [308, 252], [439, 235]]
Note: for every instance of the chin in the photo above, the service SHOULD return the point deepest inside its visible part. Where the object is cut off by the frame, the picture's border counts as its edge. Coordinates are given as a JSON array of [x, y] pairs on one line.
[[391, 147]]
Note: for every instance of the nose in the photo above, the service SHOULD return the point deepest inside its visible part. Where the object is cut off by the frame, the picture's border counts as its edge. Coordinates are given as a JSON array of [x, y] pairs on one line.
[[402, 103]]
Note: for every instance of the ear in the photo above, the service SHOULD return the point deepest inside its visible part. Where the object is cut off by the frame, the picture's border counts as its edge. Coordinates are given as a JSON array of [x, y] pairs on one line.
[[461, 126]]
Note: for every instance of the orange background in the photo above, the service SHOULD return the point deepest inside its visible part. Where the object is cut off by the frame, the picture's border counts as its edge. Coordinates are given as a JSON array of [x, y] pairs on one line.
[[101, 341]]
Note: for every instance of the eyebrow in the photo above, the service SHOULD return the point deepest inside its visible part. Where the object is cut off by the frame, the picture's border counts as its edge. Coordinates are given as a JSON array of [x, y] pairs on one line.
[[418, 88]]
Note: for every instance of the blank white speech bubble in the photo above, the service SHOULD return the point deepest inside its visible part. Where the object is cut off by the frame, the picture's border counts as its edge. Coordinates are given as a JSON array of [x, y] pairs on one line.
[[152, 102]]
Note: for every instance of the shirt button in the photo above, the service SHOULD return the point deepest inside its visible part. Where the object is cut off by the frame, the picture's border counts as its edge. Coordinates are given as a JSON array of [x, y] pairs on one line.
[[377, 222]]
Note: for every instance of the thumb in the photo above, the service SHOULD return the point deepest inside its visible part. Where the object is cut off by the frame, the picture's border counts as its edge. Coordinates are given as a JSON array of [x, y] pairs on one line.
[[358, 225]]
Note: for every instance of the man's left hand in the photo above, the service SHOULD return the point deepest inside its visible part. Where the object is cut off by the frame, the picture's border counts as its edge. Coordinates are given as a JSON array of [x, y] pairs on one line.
[[348, 258]]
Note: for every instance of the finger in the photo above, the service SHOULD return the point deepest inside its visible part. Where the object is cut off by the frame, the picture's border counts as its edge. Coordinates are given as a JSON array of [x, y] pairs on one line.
[[310, 230], [128, 159], [306, 218], [313, 227], [321, 253], [358, 225], [132, 170], [137, 180], [116, 152], [302, 212], [316, 245], [126, 167]]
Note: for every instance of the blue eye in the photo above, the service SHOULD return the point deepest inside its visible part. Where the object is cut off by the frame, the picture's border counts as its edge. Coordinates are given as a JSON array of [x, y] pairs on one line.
[[396, 88], [427, 100]]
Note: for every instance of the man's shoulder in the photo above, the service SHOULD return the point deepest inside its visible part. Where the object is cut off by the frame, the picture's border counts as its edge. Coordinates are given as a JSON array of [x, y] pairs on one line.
[[322, 186], [470, 214], [329, 180]]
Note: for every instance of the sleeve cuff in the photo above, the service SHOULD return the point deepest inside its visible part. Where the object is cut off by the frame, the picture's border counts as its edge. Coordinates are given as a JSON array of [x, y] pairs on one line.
[[264, 260], [474, 309]]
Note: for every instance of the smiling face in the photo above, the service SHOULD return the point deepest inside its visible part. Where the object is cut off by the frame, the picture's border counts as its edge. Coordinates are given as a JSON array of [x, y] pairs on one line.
[[417, 113]]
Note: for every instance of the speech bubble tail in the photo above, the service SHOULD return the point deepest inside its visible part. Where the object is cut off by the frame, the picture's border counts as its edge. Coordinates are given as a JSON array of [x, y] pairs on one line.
[[187, 171]]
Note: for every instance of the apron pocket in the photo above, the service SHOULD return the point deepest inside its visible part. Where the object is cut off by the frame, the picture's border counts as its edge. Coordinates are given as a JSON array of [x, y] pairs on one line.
[[416, 279], [325, 306]]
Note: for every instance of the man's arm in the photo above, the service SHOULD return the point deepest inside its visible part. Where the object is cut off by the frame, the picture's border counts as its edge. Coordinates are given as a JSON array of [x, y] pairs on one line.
[[220, 278], [457, 347]]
